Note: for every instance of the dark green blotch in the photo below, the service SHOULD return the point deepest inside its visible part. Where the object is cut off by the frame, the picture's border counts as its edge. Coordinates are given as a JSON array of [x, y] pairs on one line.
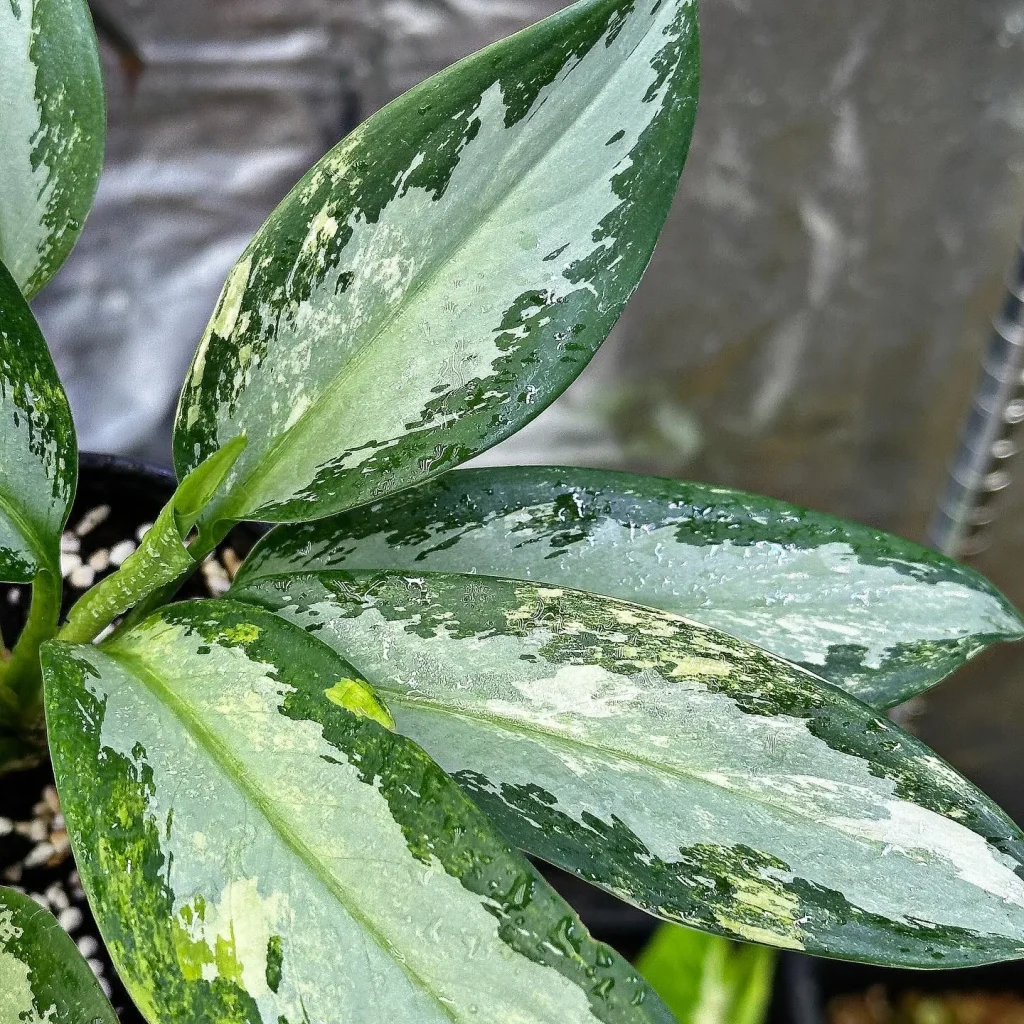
[[275, 963]]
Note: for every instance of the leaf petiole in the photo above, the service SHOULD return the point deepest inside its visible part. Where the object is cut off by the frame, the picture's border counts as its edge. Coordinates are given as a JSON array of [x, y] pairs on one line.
[[20, 675], [163, 561]]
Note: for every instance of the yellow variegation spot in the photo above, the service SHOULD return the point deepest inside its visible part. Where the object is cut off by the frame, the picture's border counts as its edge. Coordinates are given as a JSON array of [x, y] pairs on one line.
[[359, 698], [770, 904], [684, 667], [227, 310], [243, 633]]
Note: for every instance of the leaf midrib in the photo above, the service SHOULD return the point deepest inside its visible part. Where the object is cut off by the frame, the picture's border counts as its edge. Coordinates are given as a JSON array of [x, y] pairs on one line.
[[234, 768], [276, 451], [559, 739]]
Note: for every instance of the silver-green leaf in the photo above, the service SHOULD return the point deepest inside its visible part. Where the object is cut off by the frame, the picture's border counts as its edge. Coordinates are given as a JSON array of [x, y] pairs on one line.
[[52, 126], [43, 977], [680, 768], [256, 853], [448, 269], [38, 450], [877, 615], [39, 456]]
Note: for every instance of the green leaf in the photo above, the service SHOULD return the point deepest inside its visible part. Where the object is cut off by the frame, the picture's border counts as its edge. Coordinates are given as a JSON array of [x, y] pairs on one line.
[[38, 451], [705, 979], [448, 269], [52, 125], [877, 615], [254, 852], [680, 768], [43, 977]]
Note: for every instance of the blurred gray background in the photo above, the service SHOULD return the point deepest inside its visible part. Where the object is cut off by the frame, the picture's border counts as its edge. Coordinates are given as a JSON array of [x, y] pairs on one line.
[[811, 326]]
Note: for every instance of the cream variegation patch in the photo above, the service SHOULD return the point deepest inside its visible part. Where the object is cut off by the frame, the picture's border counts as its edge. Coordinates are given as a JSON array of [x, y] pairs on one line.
[[17, 1001], [236, 932]]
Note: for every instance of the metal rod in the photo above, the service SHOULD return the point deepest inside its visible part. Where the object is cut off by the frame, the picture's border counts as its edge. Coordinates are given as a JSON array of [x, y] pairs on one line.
[[988, 438]]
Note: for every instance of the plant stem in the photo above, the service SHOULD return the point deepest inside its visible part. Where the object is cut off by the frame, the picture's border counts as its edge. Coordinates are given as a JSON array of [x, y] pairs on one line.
[[199, 548], [111, 597], [153, 600], [21, 676], [147, 579]]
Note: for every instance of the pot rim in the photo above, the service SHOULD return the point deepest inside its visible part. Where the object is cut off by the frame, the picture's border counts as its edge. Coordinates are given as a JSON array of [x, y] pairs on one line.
[[123, 465]]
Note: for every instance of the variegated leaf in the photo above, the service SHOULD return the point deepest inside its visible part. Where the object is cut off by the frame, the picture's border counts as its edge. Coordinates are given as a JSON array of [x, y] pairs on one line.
[[445, 272], [52, 124], [39, 460], [43, 977], [680, 768], [257, 854], [877, 615], [38, 450]]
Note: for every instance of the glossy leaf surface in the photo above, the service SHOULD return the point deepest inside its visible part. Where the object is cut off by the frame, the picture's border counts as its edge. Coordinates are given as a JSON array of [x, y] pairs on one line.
[[877, 615], [52, 125], [705, 979], [448, 269], [38, 451], [254, 852], [682, 769], [43, 977]]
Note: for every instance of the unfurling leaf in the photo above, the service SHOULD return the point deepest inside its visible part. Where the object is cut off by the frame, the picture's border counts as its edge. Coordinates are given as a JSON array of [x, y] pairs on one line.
[[255, 852], [684, 770], [52, 124], [447, 270], [43, 977], [163, 557], [877, 615]]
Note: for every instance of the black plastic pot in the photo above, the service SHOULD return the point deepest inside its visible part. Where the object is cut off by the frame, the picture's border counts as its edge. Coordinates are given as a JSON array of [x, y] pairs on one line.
[[137, 491]]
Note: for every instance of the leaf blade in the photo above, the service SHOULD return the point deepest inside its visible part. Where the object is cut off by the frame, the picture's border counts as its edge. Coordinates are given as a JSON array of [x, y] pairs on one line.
[[51, 134], [287, 858], [37, 445], [43, 976], [445, 272], [880, 616], [683, 770]]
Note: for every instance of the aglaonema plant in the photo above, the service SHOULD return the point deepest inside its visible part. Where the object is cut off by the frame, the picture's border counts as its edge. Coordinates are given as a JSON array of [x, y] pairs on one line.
[[310, 800]]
